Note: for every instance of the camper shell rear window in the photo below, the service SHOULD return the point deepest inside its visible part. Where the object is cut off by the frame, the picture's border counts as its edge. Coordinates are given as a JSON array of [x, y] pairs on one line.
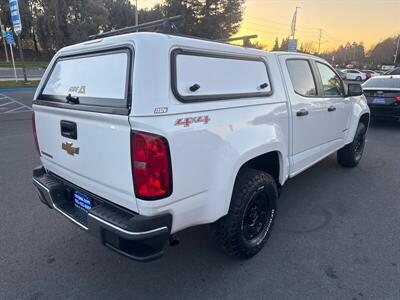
[[203, 76], [98, 79]]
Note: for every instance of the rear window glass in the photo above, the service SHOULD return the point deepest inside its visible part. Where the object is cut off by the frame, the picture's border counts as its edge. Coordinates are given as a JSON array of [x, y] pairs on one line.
[[97, 79], [385, 82], [202, 77]]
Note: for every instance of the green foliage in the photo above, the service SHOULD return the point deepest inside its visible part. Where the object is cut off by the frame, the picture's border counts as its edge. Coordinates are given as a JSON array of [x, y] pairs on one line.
[[65, 22], [121, 13], [212, 19], [52, 24]]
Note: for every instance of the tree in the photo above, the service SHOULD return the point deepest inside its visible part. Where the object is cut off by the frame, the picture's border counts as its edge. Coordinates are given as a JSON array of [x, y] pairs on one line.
[[284, 44], [53, 24], [64, 22], [308, 47], [258, 45], [276, 45], [213, 19], [383, 52], [120, 14]]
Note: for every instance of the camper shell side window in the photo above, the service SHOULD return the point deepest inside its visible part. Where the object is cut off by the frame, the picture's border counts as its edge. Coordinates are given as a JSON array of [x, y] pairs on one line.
[[205, 76]]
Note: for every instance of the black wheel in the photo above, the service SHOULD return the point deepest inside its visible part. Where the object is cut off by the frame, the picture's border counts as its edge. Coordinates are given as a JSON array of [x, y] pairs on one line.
[[350, 155], [244, 230], [358, 78]]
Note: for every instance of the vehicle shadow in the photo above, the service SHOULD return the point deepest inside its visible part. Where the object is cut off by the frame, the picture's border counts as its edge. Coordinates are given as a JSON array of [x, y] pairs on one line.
[[320, 235], [196, 268], [386, 124]]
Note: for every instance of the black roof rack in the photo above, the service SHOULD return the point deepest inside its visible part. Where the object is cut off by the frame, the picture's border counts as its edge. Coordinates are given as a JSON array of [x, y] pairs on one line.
[[167, 27], [246, 39]]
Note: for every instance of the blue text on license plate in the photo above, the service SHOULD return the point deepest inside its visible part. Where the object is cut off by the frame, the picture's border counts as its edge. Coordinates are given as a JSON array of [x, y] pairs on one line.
[[379, 101], [82, 201]]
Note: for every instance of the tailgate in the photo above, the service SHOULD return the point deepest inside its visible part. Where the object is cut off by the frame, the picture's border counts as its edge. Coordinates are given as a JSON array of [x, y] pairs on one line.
[[88, 142]]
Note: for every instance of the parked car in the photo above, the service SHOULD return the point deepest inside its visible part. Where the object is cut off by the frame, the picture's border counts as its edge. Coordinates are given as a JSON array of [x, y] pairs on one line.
[[341, 73], [383, 96], [354, 74], [395, 71], [142, 135], [370, 73]]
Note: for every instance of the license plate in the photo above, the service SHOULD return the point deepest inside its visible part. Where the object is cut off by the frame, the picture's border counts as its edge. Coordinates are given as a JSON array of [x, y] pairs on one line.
[[82, 201], [379, 101]]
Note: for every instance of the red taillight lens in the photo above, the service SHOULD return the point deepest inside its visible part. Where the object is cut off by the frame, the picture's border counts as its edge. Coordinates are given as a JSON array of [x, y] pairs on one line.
[[397, 99], [151, 167], [34, 133]]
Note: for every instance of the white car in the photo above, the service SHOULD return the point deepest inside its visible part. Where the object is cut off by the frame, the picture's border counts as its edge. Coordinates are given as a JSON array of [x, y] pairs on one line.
[[142, 135], [370, 73], [354, 74]]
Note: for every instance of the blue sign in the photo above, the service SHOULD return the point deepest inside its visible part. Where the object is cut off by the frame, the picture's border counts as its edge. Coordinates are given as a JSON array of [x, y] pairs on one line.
[[9, 37], [15, 16], [292, 45]]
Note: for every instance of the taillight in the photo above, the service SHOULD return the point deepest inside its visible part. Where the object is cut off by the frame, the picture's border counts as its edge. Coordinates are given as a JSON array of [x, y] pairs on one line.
[[35, 133], [397, 99], [151, 166]]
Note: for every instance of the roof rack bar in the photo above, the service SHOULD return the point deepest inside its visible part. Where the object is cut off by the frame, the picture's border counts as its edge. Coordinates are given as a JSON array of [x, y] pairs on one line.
[[166, 24], [246, 39]]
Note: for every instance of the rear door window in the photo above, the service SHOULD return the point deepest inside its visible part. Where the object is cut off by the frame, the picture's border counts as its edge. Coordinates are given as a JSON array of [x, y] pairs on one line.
[[302, 77], [97, 79], [207, 76]]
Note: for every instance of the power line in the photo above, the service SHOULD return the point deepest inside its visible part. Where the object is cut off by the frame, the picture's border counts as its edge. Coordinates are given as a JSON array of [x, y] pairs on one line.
[[303, 28], [280, 29]]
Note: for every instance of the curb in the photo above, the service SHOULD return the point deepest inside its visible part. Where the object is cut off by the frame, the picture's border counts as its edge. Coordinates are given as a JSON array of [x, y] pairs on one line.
[[18, 90]]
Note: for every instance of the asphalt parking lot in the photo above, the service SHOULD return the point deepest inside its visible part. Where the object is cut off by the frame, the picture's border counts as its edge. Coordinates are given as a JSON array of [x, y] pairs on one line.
[[336, 236]]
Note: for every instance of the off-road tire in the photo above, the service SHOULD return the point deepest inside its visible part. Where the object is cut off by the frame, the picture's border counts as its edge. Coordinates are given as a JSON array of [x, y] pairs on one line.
[[229, 231], [350, 155]]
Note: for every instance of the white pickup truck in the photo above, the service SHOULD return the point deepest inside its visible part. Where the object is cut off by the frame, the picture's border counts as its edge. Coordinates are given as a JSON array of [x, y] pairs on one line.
[[142, 135]]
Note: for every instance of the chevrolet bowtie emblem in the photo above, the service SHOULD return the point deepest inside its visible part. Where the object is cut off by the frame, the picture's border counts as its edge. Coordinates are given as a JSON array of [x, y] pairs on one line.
[[70, 148]]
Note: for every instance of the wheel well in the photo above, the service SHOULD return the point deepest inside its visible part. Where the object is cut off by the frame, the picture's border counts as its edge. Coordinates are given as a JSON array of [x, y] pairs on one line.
[[268, 162], [365, 120]]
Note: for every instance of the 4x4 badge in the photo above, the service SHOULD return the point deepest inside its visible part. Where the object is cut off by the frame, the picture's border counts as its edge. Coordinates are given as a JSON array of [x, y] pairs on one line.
[[70, 148]]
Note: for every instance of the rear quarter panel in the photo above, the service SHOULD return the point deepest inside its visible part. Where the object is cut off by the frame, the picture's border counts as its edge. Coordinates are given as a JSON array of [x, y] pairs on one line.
[[206, 156]]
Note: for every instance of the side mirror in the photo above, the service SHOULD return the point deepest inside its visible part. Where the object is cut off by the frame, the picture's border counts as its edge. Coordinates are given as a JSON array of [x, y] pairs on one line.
[[354, 89]]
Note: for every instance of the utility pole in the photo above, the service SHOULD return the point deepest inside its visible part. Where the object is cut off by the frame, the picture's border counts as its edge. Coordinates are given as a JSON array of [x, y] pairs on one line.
[[136, 16], [397, 50], [319, 40], [3, 34]]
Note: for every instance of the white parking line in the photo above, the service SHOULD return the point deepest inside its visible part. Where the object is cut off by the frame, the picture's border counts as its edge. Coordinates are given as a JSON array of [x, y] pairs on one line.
[[20, 103], [14, 109], [7, 103], [10, 105]]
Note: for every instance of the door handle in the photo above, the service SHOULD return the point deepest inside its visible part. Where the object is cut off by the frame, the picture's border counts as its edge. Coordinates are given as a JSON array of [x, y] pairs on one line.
[[68, 129], [302, 112], [331, 108]]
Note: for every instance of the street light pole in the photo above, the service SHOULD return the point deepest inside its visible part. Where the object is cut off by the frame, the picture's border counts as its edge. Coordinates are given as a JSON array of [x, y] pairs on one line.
[[21, 55]]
